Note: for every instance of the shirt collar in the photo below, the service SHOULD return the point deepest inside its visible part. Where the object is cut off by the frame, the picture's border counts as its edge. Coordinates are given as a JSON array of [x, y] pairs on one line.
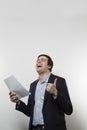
[[46, 79]]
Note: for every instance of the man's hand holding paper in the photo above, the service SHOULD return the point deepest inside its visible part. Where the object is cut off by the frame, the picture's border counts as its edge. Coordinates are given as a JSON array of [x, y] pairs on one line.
[[14, 98]]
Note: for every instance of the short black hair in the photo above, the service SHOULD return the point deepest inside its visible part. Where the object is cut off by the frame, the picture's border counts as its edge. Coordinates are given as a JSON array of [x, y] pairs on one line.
[[50, 61]]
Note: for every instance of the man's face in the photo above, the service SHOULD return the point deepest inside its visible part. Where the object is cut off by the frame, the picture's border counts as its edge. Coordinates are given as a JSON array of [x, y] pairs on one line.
[[42, 65]]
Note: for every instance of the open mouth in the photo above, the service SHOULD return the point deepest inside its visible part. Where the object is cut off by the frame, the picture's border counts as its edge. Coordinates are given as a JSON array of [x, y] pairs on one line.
[[39, 66]]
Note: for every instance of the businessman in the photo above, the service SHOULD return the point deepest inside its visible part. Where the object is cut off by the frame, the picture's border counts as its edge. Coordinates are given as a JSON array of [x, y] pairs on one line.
[[48, 100]]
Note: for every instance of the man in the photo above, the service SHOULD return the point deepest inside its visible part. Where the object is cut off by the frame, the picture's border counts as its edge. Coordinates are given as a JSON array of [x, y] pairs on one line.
[[48, 100]]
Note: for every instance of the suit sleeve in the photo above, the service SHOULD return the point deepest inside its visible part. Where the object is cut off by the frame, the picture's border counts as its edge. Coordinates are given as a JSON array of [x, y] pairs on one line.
[[24, 108], [63, 99]]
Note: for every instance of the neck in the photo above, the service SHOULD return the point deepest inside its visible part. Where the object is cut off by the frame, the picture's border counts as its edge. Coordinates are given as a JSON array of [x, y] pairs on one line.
[[42, 76]]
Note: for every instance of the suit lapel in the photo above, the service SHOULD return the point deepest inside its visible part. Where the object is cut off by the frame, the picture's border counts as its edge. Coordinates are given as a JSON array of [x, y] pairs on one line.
[[51, 80], [33, 90]]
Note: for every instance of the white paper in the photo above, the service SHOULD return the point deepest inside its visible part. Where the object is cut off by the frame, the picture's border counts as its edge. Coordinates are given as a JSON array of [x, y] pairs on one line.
[[16, 87]]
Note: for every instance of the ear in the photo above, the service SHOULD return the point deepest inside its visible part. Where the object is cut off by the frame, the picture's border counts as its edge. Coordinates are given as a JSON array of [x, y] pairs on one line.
[[49, 67]]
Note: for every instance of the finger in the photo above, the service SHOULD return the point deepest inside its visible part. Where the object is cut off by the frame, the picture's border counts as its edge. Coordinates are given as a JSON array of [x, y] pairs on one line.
[[55, 81], [14, 98], [48, 86], [12, 94], [9, 93]]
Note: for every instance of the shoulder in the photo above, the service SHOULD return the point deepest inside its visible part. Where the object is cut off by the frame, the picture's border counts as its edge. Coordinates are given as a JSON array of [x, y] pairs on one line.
[[53, 77], [57, 76]]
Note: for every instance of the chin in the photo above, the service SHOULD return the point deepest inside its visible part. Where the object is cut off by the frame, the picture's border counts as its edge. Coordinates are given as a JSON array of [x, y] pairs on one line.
[[39, 72]]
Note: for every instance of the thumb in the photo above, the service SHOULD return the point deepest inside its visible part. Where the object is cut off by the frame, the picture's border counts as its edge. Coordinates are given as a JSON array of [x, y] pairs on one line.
[[55, 81]]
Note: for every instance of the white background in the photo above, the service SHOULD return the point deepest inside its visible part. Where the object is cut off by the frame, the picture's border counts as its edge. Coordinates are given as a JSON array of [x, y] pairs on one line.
[[57, 28]]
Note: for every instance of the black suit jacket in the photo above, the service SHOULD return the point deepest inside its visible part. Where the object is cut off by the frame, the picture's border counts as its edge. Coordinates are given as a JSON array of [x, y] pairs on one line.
[[54, 110]]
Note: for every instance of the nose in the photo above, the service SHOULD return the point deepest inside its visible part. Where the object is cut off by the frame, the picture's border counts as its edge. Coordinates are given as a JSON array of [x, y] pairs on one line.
[[39, 61]]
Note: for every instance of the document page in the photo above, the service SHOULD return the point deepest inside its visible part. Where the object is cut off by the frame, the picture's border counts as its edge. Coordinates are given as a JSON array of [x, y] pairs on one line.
[[14, 85]]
